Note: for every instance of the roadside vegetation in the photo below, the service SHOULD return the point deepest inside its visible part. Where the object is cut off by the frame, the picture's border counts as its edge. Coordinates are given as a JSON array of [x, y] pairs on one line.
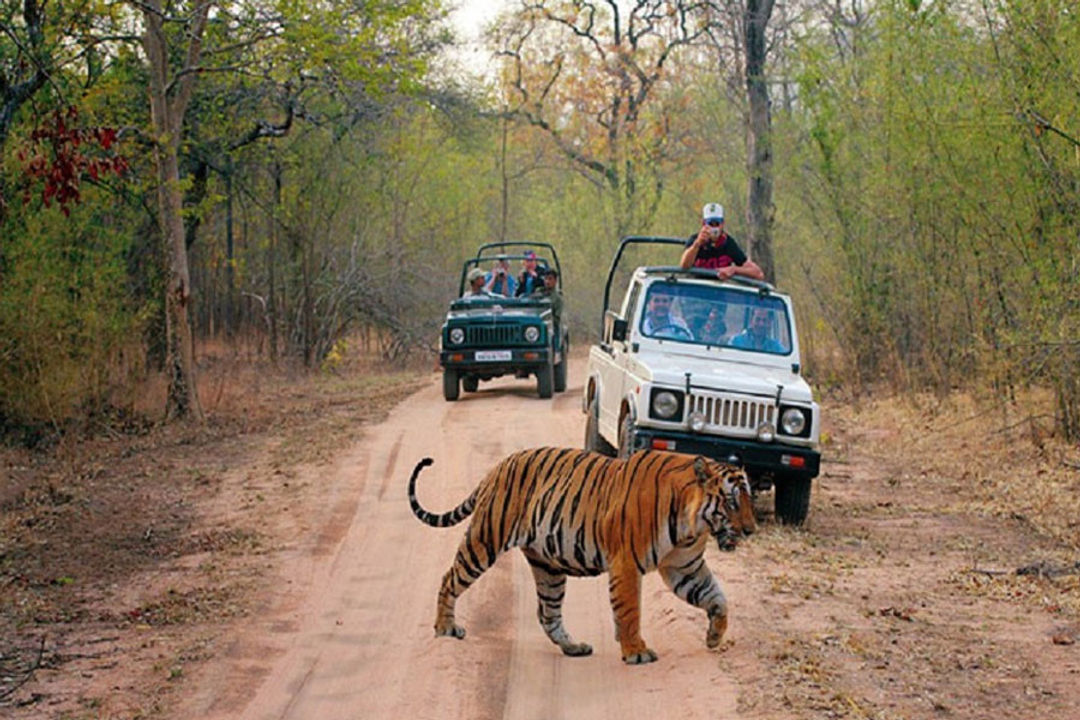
[[221, 223], [924, 203]]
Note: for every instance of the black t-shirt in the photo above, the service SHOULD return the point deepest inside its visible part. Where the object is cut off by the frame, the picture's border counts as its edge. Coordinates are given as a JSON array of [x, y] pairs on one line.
[[714, 256]]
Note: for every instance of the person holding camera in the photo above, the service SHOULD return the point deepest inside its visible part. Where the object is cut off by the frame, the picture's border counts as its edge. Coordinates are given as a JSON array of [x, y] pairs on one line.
[[529, 281], [712, 248], [499, 281]]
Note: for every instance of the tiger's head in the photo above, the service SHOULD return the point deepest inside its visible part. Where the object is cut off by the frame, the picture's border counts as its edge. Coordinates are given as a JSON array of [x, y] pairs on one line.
[[728, 510]]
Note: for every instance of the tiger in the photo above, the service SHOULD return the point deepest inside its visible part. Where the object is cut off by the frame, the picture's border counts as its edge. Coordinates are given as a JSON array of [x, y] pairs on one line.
[[578, 513]]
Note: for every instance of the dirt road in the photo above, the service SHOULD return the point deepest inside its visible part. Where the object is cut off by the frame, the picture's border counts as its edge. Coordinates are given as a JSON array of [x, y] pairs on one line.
[[361, 644], [879, 608]]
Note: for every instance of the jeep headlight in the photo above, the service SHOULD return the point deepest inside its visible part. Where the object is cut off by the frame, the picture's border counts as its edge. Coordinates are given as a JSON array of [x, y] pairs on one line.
[[532, 333], [793, 421], [665, 404], [457, 336], [697, 422], [766, 432]]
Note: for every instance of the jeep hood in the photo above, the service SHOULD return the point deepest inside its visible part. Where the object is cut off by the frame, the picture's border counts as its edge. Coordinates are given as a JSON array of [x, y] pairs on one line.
[[494, 313], [729, 377]]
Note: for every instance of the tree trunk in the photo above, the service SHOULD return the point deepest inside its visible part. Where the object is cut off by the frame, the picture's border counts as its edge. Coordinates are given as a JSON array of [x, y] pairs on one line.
[[759, 204], [230, 260], [167, 116], [271, 263]]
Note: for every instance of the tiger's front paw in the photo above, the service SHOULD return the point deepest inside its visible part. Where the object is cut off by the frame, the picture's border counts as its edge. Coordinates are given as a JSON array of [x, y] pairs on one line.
[[577, 649], [640, 658], [450, 631]]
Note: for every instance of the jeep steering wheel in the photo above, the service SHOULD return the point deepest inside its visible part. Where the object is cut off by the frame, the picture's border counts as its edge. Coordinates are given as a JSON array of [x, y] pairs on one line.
[[678, 330]]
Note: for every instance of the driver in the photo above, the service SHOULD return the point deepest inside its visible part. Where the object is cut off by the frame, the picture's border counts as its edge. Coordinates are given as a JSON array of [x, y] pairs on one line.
[[659, 322]]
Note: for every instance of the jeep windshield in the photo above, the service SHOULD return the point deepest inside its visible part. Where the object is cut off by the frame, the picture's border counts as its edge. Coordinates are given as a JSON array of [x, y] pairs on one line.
[[716, 316]]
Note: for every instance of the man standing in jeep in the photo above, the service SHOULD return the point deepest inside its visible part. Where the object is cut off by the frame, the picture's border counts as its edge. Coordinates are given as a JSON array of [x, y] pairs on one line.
[[712, 248]]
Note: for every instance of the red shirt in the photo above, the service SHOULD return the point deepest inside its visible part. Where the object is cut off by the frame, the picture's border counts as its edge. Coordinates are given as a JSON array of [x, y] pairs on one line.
[[718, 253]]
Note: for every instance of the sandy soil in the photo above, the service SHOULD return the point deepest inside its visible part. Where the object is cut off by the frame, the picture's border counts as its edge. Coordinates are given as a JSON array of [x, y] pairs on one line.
[[898, 599], [872, 610]]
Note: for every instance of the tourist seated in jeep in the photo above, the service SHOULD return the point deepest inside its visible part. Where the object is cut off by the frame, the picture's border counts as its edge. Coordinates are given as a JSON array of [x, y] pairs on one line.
[[550, 290], [500, 281], [756, 335], [659, 321], [476, 287], [530, 280], [714, 330]]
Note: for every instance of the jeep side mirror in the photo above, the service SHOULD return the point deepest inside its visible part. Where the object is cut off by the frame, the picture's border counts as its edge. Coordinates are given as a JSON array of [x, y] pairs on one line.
[[618, 329], [614, 328]]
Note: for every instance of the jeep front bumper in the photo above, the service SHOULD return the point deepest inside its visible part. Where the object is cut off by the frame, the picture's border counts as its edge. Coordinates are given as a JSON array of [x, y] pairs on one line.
[[775, 458], [488, 361]]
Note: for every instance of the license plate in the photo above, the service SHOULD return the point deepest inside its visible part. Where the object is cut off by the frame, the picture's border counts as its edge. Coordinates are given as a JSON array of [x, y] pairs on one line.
[[494, 355]]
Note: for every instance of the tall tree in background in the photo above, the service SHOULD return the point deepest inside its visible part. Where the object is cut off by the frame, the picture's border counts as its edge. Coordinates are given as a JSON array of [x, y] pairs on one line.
[[589, 75], [759, 157], [740, 34], [25, 63], [170, 93]]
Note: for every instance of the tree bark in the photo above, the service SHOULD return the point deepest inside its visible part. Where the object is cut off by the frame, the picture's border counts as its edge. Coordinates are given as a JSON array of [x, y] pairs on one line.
[[759, 206], [168, 103]]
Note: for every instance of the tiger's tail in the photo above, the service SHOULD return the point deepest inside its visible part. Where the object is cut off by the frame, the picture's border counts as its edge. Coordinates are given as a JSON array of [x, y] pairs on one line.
[[448, 519]]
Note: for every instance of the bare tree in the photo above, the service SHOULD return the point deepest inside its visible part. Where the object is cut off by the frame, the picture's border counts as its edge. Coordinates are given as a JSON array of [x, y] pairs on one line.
[[170, 93], [26, 72], [586, 73], [759, 157]]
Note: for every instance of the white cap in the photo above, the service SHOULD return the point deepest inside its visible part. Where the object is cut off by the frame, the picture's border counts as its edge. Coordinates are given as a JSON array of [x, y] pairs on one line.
[[712, 211]]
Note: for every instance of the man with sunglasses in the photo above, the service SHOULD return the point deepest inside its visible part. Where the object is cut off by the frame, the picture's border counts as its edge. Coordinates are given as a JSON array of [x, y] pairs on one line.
[[712, 248]]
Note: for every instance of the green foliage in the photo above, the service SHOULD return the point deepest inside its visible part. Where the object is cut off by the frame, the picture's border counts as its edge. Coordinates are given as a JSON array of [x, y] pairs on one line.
[[64, 315], [938, 189]]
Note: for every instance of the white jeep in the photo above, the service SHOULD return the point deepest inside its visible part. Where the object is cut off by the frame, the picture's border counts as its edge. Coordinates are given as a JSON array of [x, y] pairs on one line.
[[692, 364]]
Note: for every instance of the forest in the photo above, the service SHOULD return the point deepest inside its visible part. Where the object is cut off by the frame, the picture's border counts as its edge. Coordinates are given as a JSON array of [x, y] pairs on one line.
[[298, 179]]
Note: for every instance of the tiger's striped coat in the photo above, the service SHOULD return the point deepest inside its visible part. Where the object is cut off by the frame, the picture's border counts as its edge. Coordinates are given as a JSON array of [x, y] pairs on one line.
[[577, 513]]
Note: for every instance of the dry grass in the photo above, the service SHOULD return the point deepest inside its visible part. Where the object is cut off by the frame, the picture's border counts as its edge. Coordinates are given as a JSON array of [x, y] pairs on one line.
[[113, 548], [937, 575]]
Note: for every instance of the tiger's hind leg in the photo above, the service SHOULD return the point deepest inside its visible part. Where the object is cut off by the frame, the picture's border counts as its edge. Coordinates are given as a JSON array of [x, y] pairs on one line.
[[692, 581], [474, 556], [550, 591]]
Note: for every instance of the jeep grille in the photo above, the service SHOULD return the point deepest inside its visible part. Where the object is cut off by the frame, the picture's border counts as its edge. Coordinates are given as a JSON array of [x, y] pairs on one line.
[[494, 335], [733, 414]]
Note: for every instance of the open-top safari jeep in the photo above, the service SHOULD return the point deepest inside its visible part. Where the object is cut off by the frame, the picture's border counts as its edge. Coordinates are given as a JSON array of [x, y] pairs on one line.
[[487, 336], [692, 364]]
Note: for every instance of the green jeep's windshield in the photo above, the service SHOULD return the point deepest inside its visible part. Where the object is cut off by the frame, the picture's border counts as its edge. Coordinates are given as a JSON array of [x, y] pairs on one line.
[[716, 316]]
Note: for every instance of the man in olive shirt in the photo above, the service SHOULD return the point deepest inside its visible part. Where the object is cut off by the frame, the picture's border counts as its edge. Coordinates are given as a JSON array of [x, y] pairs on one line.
[[550, 290]]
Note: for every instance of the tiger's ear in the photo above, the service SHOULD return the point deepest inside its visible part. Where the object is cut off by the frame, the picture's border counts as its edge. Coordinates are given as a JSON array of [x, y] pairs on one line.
[[701, 470]]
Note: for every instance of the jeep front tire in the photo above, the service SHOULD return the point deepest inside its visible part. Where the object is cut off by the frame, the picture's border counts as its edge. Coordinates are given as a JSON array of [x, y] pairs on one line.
[[450, 388], [545, 380], [594, 441], [626, 437], [792, 499]]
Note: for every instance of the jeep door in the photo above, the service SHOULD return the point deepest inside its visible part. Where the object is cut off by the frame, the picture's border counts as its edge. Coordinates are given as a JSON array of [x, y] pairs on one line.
[[616, 371]]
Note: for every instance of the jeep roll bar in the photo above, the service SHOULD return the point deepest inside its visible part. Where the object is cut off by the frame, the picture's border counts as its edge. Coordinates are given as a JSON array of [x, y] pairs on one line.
[[764, 287], [517, 243], [475, 262]]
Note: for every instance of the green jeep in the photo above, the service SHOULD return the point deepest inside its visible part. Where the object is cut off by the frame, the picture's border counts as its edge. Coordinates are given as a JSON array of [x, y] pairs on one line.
[[489, 335]]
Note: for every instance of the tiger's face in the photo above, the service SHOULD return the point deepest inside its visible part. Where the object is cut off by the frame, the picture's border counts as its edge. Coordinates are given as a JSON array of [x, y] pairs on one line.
[[728, 509]]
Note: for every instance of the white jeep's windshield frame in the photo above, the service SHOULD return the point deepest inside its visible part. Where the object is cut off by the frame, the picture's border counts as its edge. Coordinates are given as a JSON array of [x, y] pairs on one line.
[[716, 316]]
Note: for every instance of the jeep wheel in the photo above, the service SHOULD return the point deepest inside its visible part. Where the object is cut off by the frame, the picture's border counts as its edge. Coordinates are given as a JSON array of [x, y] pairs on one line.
[[560, 376], [792, 501], [545, 380], [450, 384], [626, 436], [469, 383], [594, 441]]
